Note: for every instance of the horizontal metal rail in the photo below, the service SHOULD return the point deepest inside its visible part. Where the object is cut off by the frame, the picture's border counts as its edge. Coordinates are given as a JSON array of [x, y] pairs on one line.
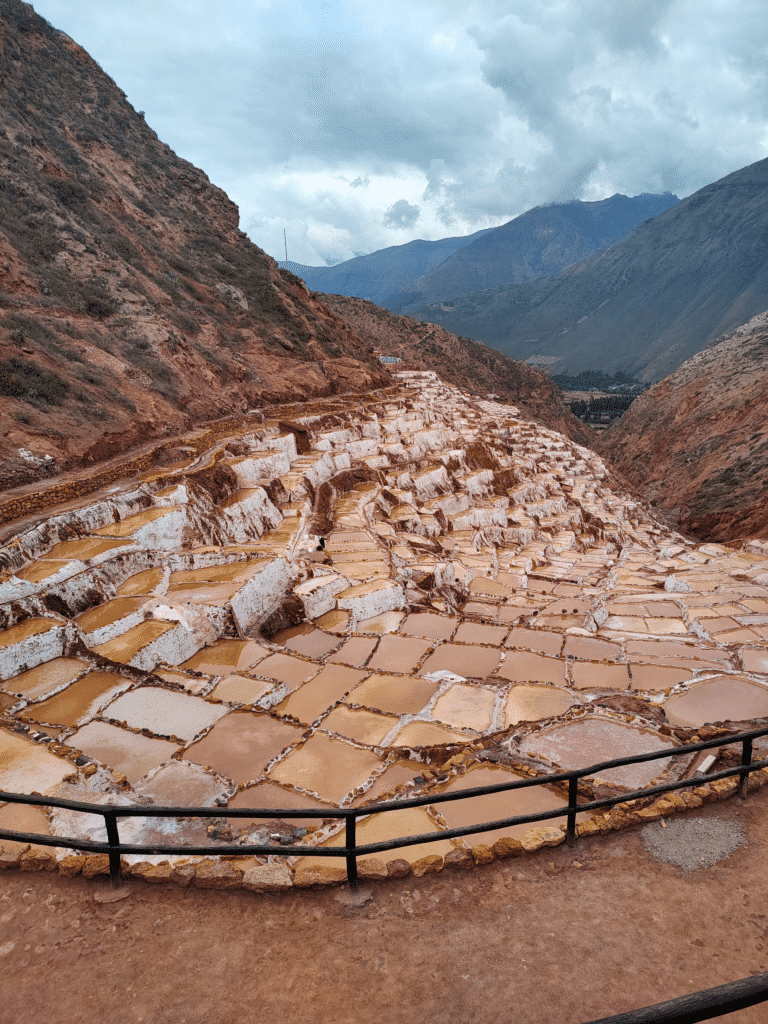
[[704, 1005], [352, 850]]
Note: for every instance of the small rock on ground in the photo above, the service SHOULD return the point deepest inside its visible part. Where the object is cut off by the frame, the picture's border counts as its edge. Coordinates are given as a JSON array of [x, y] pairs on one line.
[[113, 895], [354, 897]]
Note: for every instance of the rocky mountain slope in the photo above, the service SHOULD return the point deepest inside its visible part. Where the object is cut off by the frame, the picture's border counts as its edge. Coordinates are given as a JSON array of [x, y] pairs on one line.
[[647, 303], [379, 274], [460, 361], [696, 444], [131, 305], [536, 244]]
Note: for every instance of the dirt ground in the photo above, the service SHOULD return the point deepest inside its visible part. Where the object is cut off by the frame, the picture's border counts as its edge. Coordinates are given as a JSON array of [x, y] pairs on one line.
[[563, 936]]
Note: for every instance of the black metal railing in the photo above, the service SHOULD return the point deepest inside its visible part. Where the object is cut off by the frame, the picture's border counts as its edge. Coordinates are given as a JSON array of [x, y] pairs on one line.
[[704, 1005], [352, 850]]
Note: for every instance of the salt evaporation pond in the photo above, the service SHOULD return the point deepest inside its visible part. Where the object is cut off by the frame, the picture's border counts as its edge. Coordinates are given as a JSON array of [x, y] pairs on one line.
[[214, 651], [585, 741]]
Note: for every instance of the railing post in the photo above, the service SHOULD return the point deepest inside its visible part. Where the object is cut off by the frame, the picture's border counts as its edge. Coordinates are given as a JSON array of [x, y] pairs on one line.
[[573, 795], [113, 838], [351, 843], [746, 759]]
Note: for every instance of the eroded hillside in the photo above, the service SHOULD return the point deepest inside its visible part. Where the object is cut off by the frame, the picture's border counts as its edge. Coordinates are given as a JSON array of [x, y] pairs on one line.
[[131, 305], [460, 361], [696, 444], [647, 303]]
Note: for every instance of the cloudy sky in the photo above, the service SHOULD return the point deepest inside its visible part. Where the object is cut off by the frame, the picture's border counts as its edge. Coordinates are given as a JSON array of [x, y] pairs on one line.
[[358, 124]]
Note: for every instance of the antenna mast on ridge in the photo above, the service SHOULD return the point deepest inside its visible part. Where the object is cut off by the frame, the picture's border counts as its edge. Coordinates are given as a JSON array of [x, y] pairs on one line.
[[285, 240]]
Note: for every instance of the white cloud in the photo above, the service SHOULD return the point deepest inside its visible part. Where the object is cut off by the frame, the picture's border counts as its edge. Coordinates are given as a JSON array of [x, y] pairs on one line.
[[321, 118]]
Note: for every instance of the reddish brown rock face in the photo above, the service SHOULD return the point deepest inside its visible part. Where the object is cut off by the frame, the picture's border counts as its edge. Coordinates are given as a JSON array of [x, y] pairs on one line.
[[460, 361], [696, 444]]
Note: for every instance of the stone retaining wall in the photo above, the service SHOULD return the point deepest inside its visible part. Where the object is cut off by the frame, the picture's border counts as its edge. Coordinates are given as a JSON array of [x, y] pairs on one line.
[[56, 494]]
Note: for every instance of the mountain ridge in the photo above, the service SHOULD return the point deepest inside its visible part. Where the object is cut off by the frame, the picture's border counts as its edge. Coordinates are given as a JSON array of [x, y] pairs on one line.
[[378, 274], [539, 243], [690, 275]]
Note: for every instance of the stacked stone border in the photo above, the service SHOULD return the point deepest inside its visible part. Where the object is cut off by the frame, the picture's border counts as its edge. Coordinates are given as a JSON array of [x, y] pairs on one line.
[[200, 440], [228, 869]]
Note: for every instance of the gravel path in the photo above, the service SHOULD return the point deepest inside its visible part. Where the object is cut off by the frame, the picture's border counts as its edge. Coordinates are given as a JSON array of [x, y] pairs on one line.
[[693, 843]]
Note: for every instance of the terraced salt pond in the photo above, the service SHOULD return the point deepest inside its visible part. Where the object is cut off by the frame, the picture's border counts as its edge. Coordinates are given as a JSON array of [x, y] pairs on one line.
[[463, 622]]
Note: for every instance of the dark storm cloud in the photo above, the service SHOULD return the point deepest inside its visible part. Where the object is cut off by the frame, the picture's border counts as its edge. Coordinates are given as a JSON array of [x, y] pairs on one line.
[[401, 214]]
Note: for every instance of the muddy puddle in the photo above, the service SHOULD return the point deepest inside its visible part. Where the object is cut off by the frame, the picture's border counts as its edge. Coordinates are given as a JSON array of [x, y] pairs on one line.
[[412, 821], [165, 712], [479, 633], [398, 695], [399, 654], [79, 701], [231, 572], [307, 640], [51, 675], [267, 796], [22, 818], [334, 621], [355, 651], [659, 676], [83, 550], [130, 753], [36, 572], [466, 707], [26, 767], [522, 666], [141, 583], [329, 686], [425, 734], [540, 640], [531, 703], [463, 660], [586, 675], [109, 613], [125, 647], [359, 724], [226, 656], [426, 624], [588, 649], [396, 774], [25, 630], [388, 622], [237, 689]]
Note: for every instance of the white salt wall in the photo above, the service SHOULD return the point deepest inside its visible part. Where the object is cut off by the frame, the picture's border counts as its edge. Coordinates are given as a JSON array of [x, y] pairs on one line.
[[318, 594], [262, 591], [246, 520], [172, 647], [253, 469], [36, 649], [165, 533], [371, 599]]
